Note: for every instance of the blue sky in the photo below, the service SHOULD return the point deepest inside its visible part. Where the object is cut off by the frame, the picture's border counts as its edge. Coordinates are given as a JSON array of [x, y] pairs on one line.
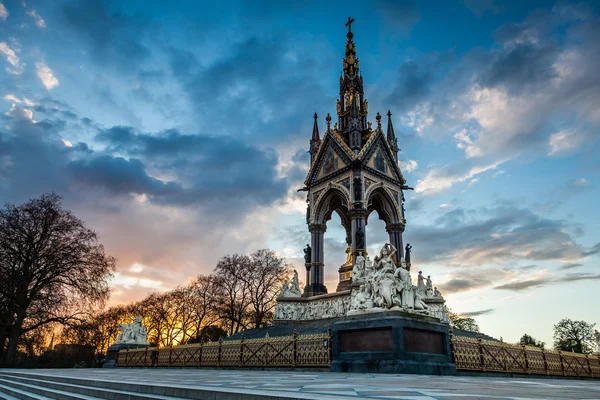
[[179, 132]]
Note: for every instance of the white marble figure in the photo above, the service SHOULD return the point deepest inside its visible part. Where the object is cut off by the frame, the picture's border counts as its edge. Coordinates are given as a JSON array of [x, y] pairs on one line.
[[358, 272], [597, 335], [294, 289], [387, 287], [436, 292], [290, 288], [284, 289], [429, 286], [421, 284], [419, 304], [134, 333]]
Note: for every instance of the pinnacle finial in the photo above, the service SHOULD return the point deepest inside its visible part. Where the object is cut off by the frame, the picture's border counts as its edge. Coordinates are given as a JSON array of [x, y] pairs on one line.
[[315, 116], [378, 118], [328, 120], [349, 25], [389, 114]]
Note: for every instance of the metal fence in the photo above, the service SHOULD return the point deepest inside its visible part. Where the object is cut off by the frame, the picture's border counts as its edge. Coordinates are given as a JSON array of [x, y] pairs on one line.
[[476, 354], [469, 354], [313, 350]]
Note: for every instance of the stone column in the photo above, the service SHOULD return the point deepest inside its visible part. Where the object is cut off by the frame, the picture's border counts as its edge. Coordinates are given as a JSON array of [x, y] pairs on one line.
[[395, 231], [316, 285]]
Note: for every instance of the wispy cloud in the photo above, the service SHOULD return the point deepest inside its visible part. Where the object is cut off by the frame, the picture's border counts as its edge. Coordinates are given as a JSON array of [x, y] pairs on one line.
[[3, 12], [12, 58], [39, 21], [46, 75]]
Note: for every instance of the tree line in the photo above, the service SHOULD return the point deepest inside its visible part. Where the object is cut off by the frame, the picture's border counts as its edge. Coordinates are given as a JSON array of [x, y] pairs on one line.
[[55, 283], [240, 294], [569, 335]]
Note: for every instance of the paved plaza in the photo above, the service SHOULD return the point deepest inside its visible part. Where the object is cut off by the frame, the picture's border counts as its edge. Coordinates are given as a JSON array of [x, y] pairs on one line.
[[328, 385]]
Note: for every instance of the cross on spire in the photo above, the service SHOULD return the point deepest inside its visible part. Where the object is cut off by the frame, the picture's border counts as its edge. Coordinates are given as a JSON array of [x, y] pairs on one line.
[[349, 24]]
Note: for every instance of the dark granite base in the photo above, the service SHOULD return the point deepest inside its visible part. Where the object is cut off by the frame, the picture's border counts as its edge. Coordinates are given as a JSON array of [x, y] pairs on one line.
[[111, 353], [392, 343]]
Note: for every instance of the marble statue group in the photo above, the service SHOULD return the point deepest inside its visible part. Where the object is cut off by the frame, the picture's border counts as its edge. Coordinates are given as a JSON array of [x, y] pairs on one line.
[[385, 286], [378, 284], [134, 333]]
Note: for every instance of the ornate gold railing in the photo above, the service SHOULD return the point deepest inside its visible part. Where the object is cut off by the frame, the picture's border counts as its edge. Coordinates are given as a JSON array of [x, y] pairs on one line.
[[476, 354], [312, 350]]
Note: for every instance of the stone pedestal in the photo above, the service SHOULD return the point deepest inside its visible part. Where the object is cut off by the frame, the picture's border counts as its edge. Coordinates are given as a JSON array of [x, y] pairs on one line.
[[393, 342], [113, 350]]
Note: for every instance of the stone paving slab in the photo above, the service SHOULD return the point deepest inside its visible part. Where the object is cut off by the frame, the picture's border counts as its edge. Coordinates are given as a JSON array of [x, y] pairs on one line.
[[329, 385]]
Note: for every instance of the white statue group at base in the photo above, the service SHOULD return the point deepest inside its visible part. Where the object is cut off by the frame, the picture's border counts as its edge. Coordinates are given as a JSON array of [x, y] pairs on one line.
[[291, 289], [383, 286], [134, 333]]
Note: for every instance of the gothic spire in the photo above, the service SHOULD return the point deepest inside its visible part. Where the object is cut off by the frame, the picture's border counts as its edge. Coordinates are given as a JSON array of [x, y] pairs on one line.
[[391, 136], [315, 141]]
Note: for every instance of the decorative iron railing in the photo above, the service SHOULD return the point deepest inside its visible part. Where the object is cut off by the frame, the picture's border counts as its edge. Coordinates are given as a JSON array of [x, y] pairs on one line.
[[314, 350], [311, 350], [476, 354]]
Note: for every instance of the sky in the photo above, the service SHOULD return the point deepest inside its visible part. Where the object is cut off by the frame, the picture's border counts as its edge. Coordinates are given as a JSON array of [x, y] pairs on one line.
[[179, 132]]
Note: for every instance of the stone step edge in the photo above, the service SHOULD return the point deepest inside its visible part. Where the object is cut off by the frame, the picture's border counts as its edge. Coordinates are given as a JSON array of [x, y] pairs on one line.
[[98, 391], [6, 396], [44, 391], [21, 394], [185, 392]]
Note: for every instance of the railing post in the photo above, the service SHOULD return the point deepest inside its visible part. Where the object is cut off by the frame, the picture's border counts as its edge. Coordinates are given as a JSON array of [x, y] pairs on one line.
[[170, 354], [526, 359], [266, 349], [146, 357], [587, 359], [562, 365], [481, 358], [545, 361], [504, 358], [330, 344], [200, 354], [295, 349], [219, 355], [242, 351], [452, 350]]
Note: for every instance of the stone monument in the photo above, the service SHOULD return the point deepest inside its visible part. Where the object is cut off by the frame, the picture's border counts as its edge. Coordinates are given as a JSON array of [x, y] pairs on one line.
[[131, 336], [381, 319]]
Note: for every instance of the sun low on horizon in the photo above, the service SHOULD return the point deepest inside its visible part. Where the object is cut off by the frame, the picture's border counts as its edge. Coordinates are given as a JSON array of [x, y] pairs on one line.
[[181, 133]]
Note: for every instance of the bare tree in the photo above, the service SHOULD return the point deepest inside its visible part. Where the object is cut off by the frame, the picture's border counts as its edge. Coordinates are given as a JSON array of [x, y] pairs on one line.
[[264, 277], [52, 267], [234, 298]]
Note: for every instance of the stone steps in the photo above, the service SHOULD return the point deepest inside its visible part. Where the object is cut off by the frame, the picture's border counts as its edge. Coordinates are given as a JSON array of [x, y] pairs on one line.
[[39, 386], [26, 386]]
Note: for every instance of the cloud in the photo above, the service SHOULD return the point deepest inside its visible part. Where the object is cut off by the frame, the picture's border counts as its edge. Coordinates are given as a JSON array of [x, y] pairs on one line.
[[440, 179], [20, 113], [39, 21], [477, 313], [480, 7], [3, 12], [11, 57], [497, 234], [570, 266], [401, 15], [565, 142], [408, 165], [518, 286], [46, 75]]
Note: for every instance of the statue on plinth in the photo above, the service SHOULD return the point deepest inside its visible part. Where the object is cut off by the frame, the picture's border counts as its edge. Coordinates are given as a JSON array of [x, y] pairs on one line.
[[360, 238], [428, 286], [307, 255], [134, 333], [407, 250], [358, 272], [290, 288]]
